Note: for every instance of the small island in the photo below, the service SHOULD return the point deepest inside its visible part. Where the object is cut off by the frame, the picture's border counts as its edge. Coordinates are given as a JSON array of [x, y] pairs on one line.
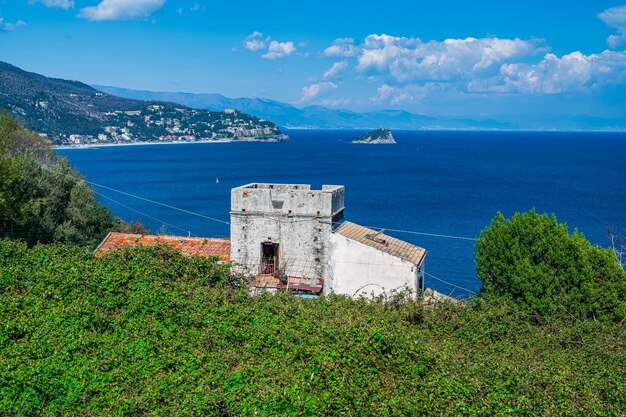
[[376, 137]]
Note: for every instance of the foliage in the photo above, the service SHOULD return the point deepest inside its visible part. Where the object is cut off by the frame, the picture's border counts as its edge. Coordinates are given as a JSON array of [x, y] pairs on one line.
[[150, 332], [135, 227], [534, 260], [42, 199]]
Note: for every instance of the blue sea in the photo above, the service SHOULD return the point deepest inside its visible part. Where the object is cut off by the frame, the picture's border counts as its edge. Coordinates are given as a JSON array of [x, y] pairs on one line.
[[440, 183]]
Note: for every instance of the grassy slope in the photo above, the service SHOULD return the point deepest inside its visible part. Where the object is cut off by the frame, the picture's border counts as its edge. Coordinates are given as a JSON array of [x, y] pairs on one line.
[[150, 332]]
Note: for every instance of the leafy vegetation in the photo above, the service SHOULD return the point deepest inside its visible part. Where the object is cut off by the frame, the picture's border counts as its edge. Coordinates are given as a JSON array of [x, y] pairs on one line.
[[42, 199], [150, 332], [533, 259]]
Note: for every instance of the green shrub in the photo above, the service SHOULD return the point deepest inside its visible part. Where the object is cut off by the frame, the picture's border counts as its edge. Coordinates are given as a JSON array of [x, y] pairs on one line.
[[150, 332], [534, 260], [42, 199]]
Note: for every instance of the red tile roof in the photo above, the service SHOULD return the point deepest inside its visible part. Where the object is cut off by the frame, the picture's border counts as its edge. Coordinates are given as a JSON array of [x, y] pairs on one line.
[[193, 246]]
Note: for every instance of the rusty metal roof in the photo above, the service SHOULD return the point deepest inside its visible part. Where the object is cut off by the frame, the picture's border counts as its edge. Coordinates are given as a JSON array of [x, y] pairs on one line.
[[382, 242], [193, 246]]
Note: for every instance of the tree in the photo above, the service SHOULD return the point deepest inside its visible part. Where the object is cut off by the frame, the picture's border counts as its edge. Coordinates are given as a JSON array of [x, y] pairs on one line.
[[534, 260], [42, 199], [618, 246]]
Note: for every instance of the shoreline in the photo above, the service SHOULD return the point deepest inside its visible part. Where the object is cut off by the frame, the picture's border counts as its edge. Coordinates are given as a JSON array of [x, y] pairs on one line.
[[107, 145]]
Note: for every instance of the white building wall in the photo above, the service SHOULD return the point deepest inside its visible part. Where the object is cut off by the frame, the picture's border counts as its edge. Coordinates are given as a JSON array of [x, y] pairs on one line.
[[358, 269]]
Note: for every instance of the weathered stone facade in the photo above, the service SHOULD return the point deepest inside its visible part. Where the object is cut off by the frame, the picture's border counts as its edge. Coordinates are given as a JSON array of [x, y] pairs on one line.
[[293, 217]]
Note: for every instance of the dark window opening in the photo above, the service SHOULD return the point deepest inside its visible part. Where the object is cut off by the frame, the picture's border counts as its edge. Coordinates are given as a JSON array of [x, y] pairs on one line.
[[269, 258]]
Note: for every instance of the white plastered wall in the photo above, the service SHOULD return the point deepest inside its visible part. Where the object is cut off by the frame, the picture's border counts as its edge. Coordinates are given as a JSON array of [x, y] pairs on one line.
[[358, 269]]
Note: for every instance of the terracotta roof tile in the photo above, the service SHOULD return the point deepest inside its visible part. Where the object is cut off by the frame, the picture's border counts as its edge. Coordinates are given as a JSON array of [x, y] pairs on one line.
[[192, 246]]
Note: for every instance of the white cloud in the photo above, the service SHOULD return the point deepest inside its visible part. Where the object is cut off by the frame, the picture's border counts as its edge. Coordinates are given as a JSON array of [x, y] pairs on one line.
[[61, 4], [406, 60], [278, 50], [574, 72], [615, 18], [9, 27], [195, 7], [343, 47], [336, 69], [121, 9], [316, 90], [402, 94], [255, 42]]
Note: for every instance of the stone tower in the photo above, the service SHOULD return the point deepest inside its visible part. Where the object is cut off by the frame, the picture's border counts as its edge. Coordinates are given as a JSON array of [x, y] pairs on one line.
[[284, 230]]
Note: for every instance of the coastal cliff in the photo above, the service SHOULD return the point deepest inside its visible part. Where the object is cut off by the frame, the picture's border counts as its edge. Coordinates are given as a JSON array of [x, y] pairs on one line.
[[376, 137]]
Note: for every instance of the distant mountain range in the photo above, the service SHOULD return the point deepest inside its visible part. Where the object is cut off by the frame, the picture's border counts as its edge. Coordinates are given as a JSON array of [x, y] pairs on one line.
[[310, 117], [319, 117], [70, 112]]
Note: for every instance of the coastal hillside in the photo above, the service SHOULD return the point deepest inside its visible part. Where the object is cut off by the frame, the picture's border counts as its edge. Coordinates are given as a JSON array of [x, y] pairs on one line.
[[73, 113]]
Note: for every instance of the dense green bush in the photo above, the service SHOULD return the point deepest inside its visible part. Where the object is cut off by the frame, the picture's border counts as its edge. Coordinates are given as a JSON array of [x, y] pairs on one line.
[[150, 332], [42, 199], [533, 259]]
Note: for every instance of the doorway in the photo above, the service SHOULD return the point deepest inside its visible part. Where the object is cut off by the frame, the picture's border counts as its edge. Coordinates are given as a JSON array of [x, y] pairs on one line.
[[269, 258]]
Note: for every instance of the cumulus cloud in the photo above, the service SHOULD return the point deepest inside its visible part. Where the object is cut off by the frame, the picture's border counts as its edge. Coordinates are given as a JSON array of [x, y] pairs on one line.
[[399, 95], [316, 90], [336, 69], [406, 60], [121, 10], [615, 18], [278, 50], [574, 72], [9, 27], [257, 42], [343, 47], [410, 70], [61, 4]]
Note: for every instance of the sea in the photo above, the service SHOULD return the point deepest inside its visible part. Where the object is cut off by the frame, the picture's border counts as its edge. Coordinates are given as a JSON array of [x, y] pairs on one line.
[[436, 189]]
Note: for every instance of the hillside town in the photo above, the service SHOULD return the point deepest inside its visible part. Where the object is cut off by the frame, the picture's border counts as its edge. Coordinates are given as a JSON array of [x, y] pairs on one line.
[[158, 123]]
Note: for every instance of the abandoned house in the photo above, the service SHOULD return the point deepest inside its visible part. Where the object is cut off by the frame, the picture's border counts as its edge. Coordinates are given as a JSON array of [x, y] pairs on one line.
[[290, 236]]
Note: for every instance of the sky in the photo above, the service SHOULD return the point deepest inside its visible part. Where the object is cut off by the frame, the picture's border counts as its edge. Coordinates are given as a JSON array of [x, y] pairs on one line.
[[448, 57]]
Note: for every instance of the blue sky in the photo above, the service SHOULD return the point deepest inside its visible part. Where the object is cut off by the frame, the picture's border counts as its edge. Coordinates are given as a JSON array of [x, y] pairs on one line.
[[482, 58]]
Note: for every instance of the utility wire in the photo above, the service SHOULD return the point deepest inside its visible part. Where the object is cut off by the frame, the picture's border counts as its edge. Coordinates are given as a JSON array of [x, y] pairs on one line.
[[418, 233], [137, 196], [158, 203], [143, 214], [449, 283], [423, 233]]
